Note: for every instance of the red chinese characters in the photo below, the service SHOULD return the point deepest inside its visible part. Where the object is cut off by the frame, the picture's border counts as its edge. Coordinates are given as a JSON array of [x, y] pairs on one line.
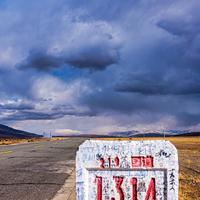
[[141, 161], [136, 162]]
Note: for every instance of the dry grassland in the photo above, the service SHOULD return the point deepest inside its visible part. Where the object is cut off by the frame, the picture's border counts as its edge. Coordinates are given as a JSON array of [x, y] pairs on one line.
[[8, 141], [189, 162], [5, 141]]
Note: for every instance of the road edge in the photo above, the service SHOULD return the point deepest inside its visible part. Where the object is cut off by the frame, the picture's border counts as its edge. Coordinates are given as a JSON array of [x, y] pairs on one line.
[[67, 190]]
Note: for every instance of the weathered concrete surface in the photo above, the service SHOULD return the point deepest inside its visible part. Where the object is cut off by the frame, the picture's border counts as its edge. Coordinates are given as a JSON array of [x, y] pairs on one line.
[[126, 169], [68, 190]]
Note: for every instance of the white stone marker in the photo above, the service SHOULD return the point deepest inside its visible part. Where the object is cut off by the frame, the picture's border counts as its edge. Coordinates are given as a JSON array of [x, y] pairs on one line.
[[127, 170]]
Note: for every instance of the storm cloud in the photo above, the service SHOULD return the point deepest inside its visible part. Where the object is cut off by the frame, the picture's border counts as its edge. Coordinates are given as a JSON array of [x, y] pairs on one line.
[[40, 60], [145, 56], [150, 84], [95, 56]]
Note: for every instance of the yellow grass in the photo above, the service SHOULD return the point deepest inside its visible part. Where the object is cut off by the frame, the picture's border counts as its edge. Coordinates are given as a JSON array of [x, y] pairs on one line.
[[8, 141], [15, 141], [189, 162]]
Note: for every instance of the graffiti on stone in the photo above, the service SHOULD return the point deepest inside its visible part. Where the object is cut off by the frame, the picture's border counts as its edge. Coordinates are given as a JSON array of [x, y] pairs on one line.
[[127, 170]]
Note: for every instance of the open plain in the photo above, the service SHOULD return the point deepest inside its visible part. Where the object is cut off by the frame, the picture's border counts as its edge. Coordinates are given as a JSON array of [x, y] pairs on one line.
[[40, 170], [189, 161]]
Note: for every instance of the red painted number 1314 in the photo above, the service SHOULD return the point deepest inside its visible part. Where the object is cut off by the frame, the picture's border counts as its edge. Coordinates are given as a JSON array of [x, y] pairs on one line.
[[150, 194]]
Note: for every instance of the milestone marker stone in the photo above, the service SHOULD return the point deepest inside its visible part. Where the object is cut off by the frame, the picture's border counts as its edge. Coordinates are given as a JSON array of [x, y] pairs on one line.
[[127, 170]]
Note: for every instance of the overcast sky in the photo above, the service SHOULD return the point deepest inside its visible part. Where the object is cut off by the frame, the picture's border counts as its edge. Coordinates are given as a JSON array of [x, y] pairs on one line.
[[100, 66]]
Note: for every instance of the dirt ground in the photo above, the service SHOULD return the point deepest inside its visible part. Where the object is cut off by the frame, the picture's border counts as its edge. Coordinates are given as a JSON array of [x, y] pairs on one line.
[[189, 162]]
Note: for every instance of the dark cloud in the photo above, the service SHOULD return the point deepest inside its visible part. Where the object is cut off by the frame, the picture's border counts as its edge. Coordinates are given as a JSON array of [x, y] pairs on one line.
[[180, 27], [16, 106], [127, 103], [25, 112], [145, 108], [93, 57], [188, 119], [32, 115], [185, 23], [70, 110], [149, 84], [40, 60]]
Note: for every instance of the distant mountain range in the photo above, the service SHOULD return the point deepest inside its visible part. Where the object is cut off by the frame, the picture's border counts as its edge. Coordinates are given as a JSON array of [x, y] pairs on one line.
[[162, 133], [8, 132], [132, 134]]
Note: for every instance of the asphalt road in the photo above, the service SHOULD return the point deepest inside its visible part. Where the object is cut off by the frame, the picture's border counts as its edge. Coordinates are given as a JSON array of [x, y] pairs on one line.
[[36, 171]]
